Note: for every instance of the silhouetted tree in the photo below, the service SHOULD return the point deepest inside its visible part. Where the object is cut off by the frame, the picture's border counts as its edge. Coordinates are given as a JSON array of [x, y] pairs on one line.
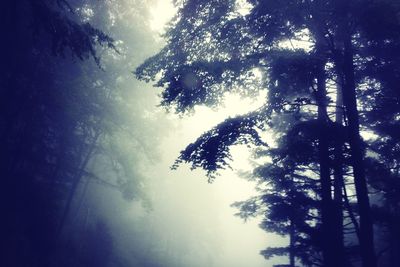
[[214, 48], [51, 120]]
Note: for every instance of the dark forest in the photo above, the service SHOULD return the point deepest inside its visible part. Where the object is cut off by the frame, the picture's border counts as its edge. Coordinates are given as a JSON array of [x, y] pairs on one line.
[[193, 133]]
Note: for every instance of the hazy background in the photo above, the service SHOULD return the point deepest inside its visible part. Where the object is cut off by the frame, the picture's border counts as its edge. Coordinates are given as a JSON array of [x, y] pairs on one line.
[[180, 219]]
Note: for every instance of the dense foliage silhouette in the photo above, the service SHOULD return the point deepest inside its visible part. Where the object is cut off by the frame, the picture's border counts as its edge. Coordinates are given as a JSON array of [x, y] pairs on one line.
[[319, 102], [60, 116]]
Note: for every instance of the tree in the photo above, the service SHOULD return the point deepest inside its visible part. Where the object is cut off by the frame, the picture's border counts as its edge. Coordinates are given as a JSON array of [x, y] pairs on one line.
[[57, 115], [213, 47], [288, 205], [379, 74]]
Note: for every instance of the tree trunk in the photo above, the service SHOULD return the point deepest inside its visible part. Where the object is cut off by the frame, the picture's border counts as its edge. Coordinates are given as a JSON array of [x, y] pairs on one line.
[[75, 183], [350, 102], [331, 213], [338, 176], [329, 240], [292, 258]]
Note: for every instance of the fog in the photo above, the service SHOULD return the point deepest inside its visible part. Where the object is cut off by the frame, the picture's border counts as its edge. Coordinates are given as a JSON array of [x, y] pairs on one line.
[[188, 221], [179, 219], [177, 133]]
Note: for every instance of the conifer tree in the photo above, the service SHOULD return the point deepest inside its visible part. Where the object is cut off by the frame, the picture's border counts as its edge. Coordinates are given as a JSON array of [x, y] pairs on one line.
[[213, 48]]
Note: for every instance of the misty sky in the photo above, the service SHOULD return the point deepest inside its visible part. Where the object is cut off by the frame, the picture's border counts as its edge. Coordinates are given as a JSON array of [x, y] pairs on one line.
[[186, 222]]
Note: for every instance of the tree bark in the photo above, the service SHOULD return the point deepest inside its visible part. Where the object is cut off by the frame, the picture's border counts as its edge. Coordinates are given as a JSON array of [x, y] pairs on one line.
[[329, 240], [338, 175], [331, 213], [350, 102], [292, 258]]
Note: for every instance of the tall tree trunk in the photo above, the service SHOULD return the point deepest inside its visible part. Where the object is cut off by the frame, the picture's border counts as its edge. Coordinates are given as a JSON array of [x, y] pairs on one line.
[[338, 175], [77, 178], [329, 245], [331, 213], [292, 258], [356, 150]]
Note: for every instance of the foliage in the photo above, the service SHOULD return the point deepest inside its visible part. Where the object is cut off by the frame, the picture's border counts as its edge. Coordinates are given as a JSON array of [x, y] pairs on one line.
[[58, 123], [211, 48]]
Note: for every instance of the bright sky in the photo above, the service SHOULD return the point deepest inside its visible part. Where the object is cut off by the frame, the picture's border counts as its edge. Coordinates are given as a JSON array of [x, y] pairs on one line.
[[240, 242], [161, 13]]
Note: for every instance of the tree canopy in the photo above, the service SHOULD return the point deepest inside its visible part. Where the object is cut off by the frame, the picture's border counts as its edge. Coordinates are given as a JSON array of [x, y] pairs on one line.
[[65, 126], [327, 95]]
